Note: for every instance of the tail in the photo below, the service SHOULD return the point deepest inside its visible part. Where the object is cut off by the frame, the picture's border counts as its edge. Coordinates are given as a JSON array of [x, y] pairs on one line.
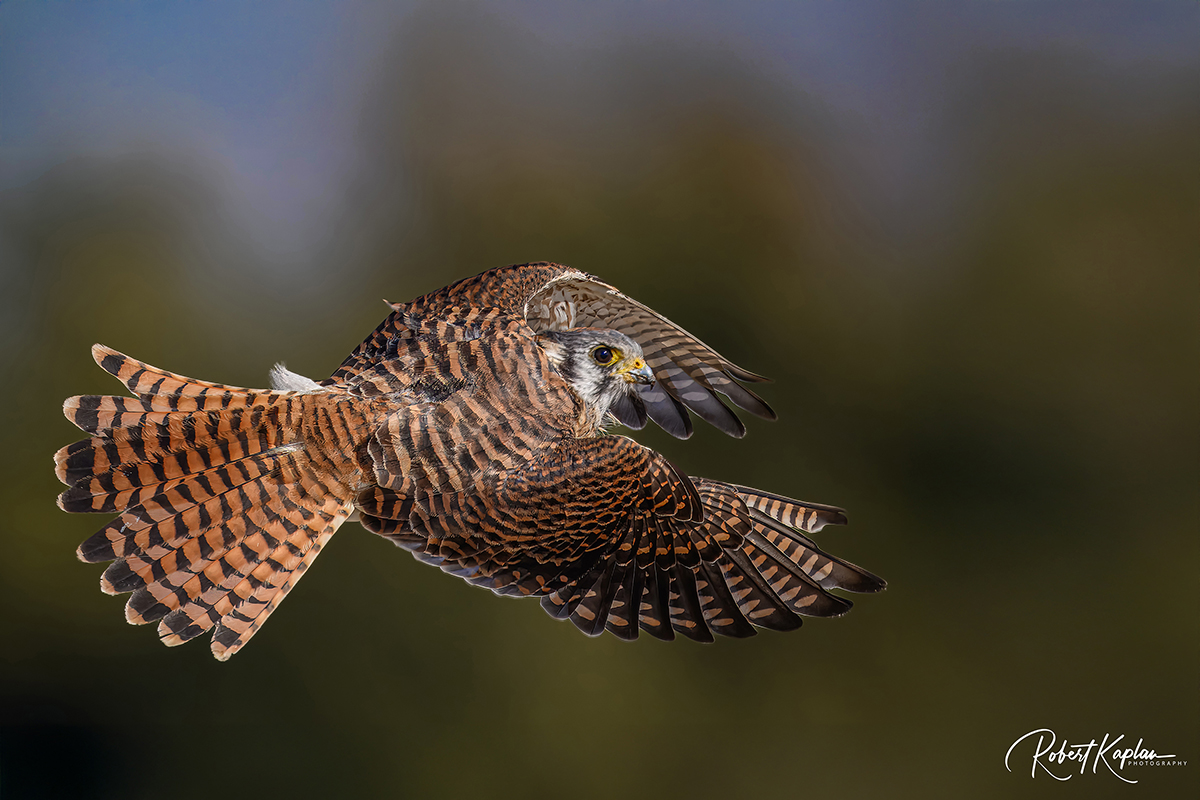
[[221, 511]]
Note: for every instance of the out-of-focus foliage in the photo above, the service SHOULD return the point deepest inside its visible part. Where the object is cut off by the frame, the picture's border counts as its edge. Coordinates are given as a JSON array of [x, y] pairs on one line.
[[1007, 407]]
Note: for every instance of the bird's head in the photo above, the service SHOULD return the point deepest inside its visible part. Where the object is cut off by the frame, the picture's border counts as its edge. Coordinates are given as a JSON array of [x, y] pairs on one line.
[[600, 364]]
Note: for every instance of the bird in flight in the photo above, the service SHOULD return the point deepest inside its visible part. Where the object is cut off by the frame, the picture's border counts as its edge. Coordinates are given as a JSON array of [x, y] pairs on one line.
[[470, 429]]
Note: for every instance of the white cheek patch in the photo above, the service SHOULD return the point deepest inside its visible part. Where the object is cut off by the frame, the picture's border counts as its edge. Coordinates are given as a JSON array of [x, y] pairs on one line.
[[588, 385]]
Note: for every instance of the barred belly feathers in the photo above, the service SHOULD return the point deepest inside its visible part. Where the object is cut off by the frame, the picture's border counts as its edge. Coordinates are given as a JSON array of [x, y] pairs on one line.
[[469, 428]]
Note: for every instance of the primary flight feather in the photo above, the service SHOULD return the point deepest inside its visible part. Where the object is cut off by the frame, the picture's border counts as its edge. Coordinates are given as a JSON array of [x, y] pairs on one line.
[[469, 429]]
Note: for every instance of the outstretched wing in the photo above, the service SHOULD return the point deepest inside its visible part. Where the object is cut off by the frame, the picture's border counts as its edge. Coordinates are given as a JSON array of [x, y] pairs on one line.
[[533, 528], [548, 296], [611, 536]]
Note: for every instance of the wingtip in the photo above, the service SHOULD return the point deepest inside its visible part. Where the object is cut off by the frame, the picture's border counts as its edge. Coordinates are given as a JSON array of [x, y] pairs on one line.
[[828, 605], [746, 375], [833, 516], [862, 582], [874, 583], [679, 432]]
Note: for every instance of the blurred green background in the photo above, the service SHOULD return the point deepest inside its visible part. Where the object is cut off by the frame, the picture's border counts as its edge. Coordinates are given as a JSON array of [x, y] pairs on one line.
[[961, 237]]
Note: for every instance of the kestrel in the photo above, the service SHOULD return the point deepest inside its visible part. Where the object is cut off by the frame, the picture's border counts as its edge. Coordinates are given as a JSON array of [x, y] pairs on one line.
[[470, 429]]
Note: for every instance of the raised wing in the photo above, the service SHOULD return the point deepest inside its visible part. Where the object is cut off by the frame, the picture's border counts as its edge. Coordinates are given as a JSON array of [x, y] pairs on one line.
[[548, 296], [611, 536], [690, 373]]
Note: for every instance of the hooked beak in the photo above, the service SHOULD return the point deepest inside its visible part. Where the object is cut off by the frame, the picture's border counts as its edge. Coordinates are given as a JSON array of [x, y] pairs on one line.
[[636, 371]]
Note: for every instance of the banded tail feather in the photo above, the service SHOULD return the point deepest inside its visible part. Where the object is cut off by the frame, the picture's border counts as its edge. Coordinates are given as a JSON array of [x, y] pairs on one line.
[[220, 507]]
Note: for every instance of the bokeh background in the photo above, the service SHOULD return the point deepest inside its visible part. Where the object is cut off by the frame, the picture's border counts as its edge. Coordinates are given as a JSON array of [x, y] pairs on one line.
[[962, 237]]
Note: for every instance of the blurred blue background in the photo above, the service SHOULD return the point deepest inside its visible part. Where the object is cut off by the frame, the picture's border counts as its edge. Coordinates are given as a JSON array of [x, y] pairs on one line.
[[961, 237]]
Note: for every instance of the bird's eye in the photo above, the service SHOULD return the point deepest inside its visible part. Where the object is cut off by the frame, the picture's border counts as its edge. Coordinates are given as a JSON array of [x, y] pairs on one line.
[[602, 356]]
